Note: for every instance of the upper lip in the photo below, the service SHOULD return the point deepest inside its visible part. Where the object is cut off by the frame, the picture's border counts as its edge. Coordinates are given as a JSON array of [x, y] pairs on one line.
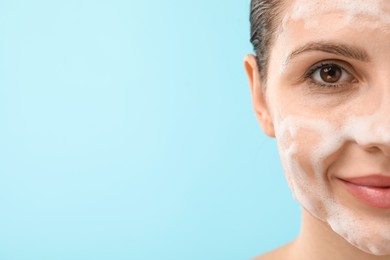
[[374, 180]]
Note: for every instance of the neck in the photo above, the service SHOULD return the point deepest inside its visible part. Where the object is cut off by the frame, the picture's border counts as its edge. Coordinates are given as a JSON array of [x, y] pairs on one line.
[[318, 241]]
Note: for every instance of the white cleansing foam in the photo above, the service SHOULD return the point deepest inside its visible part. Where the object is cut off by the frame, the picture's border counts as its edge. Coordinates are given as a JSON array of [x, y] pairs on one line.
[[351, 9], [370, 234]]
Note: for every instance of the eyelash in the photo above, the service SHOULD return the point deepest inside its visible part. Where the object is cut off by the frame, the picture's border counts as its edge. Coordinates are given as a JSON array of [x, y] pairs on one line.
[[310, 73]]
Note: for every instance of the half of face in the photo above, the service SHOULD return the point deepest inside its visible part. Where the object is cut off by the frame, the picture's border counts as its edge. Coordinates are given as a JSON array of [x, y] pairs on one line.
[[327, 100]]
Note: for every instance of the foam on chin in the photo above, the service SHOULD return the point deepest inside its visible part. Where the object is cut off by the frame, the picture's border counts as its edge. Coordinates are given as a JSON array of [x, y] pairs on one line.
[[368, 233]]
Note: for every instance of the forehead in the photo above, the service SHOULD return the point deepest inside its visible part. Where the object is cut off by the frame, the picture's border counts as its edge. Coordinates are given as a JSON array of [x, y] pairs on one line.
[[358, 22], [352, 12]]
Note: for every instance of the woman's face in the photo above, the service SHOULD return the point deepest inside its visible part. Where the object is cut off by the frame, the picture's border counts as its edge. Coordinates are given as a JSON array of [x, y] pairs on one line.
[[328, 96]]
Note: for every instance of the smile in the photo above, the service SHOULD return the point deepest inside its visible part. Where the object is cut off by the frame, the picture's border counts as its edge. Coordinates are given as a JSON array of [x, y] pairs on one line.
[[372, 190]]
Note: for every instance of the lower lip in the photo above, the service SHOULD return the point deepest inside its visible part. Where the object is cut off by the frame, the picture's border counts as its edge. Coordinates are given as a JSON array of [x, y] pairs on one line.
[[376, 197]]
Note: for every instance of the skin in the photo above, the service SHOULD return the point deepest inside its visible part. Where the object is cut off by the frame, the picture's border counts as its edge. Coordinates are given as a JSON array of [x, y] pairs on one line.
[[329, 131]]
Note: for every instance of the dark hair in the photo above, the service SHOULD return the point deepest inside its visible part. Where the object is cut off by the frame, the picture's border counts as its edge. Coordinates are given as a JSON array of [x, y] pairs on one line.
[[264, 20]]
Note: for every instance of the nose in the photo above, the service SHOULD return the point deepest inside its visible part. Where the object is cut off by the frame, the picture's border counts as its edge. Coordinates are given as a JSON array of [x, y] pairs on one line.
[[374, 133], [371, 131]]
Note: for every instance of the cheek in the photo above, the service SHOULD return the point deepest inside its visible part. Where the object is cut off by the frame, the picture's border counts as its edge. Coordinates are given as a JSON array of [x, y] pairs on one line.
[[297, 150], [304, 145]]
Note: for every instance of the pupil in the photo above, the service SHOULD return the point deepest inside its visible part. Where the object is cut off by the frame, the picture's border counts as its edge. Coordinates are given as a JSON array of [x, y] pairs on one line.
[[330, 74]]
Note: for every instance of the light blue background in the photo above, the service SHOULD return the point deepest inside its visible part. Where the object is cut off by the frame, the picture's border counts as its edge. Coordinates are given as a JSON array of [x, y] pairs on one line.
[[127, 132]]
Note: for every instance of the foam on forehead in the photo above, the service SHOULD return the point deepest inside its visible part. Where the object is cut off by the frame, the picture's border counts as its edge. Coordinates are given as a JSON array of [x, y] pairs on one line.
[[310, 10]]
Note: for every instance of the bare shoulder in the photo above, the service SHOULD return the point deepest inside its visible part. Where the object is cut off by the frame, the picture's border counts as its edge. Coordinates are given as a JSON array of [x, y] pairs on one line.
[[277, 254]]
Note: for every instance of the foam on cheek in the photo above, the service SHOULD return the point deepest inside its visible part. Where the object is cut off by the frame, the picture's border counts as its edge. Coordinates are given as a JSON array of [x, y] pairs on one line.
[[310, 10], [368, 233], [287, 133]]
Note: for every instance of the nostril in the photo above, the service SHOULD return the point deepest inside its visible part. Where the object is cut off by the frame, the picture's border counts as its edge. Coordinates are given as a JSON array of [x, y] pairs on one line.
[[378, 148], [373, 149]]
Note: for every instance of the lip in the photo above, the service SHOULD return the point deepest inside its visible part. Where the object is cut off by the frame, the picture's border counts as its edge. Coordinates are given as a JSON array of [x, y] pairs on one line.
[[372, 190]]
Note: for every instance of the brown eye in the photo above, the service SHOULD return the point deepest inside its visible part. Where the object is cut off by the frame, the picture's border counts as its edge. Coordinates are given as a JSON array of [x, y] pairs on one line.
[[330, 73]]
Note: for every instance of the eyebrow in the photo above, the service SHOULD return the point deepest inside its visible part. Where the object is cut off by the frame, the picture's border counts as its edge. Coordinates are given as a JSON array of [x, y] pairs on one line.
[[345, 50]]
